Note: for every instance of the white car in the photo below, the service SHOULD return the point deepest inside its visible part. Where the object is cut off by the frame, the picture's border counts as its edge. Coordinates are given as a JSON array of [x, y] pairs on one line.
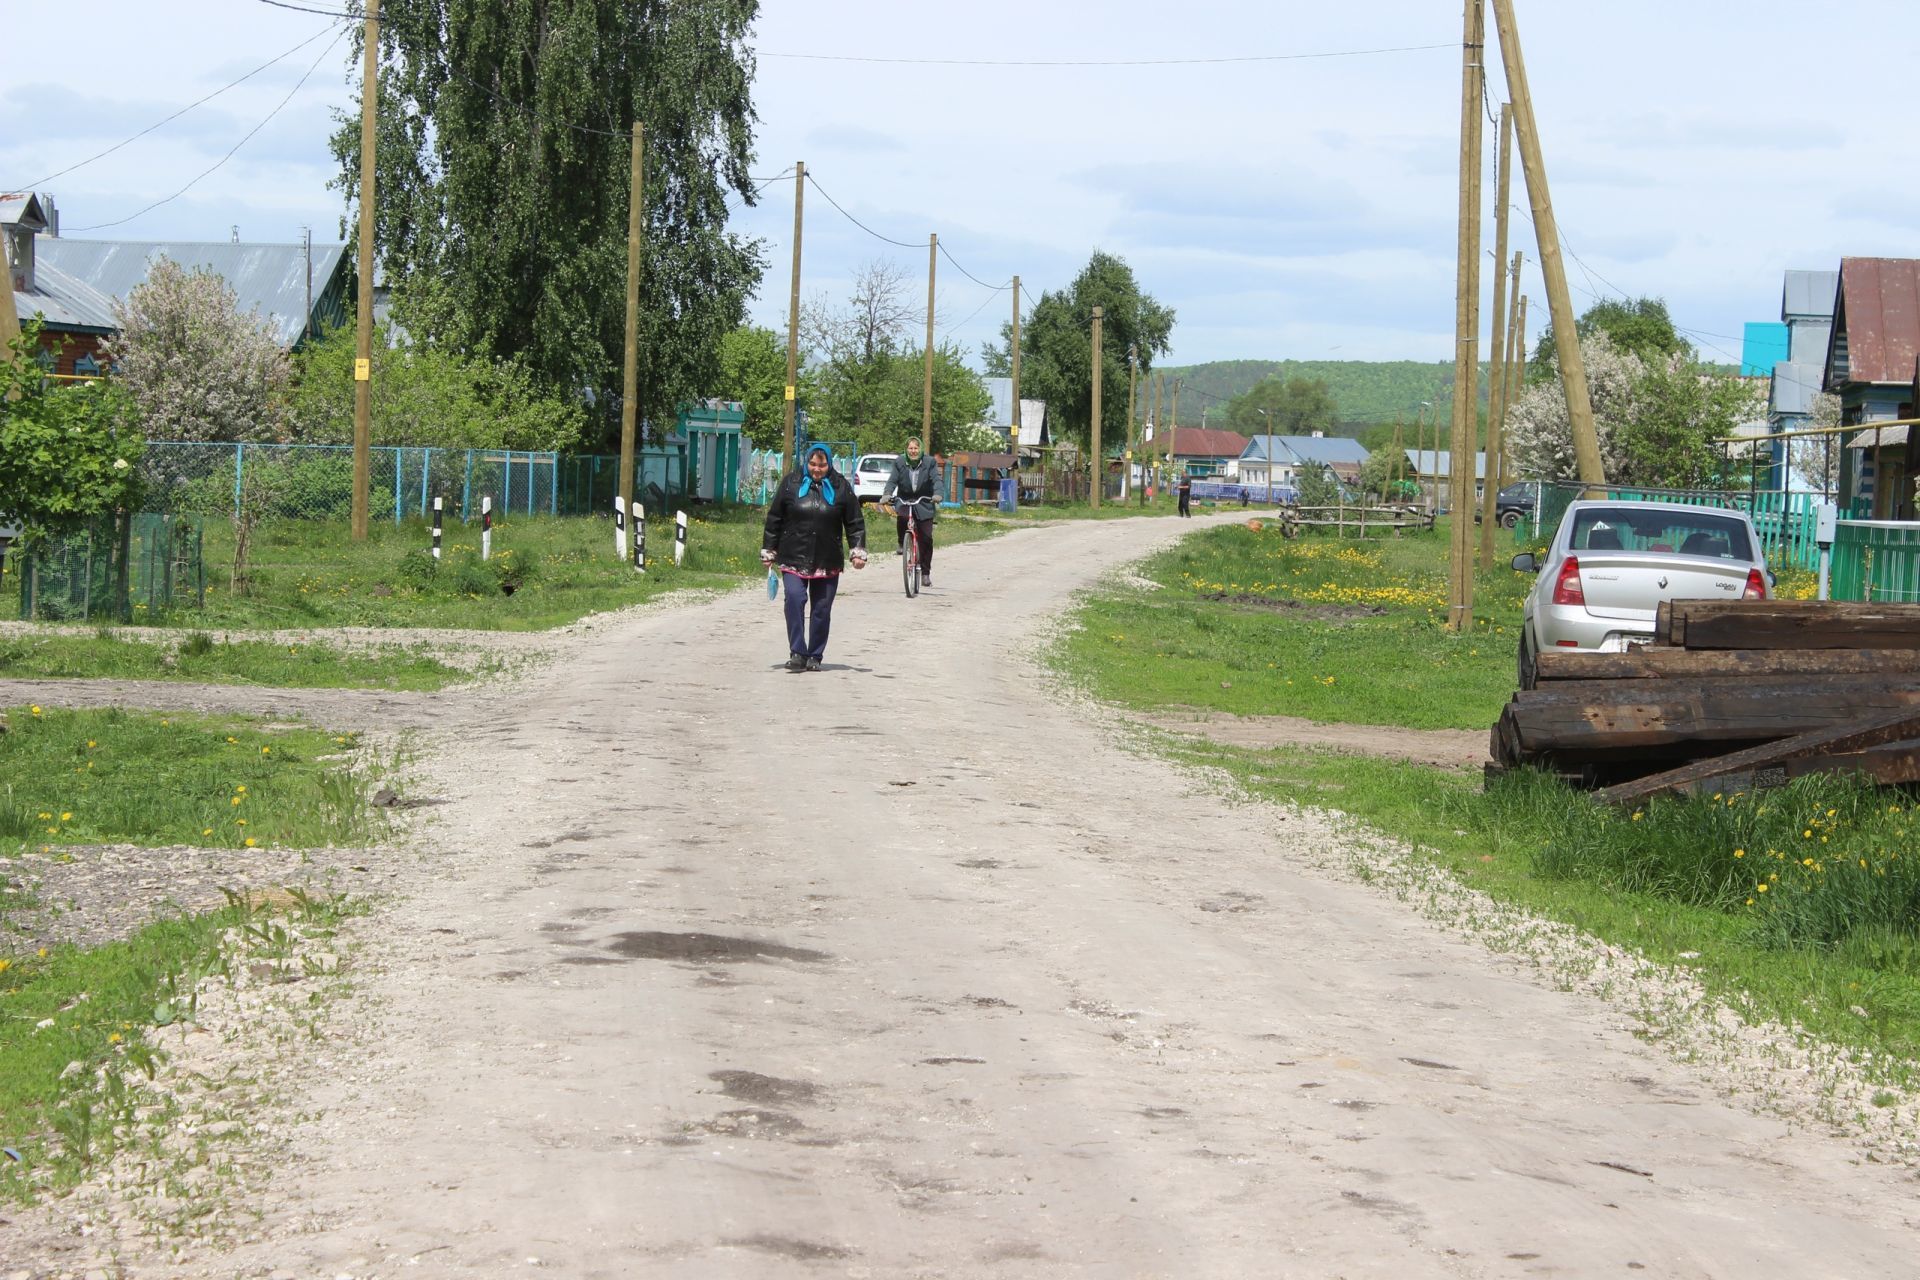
[[870, 475], [1612, 563]]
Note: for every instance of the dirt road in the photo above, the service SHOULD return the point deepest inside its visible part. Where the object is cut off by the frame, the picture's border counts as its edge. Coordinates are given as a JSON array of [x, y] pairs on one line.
[[904, 969]]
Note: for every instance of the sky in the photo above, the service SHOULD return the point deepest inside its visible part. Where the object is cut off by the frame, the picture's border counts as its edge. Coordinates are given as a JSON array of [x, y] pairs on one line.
[[1287, 204]]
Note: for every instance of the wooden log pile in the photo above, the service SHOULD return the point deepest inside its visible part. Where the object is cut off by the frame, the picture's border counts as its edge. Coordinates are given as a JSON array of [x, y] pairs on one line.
[[1731, 695]]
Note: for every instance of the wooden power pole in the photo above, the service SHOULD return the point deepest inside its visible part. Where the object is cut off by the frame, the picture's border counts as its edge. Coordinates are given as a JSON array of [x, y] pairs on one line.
[[9, 314], [1516, 350], [1466, 364], [1133, 373], [926, 401], [630, 359], [1013, 432], [1497, 335], [1099, 466], [792, 390], [363, 336], [1573, 371]]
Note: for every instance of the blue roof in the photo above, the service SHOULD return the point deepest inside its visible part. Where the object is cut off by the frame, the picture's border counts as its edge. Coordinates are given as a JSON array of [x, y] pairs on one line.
[[1332, 450], [1764, 346]]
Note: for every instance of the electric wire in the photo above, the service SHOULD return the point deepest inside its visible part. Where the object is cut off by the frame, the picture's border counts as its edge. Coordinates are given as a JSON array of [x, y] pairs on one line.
[[996, 288], [1107, 62], [855, 221], [232, 84], [299, 85]]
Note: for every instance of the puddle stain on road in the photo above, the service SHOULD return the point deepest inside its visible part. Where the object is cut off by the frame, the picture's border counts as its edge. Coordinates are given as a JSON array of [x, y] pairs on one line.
[[751, 1086], [706, 948]]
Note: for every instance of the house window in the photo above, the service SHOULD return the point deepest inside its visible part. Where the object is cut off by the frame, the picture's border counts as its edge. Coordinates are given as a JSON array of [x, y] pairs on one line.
[[87, 367]]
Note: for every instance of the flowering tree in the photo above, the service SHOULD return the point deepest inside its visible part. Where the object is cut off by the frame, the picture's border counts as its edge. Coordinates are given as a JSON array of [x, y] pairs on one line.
[[1656, 419], [1817, 458], [197, 368]]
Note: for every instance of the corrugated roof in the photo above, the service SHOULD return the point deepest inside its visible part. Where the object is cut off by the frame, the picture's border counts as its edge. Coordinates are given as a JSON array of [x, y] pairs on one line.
[[1439, 465], [1879, 314], [1808, 294], [268, 278], [1794, 387], [65, 302], [1204, 442], [1332, 450], [1887, 437], [1807, 341]]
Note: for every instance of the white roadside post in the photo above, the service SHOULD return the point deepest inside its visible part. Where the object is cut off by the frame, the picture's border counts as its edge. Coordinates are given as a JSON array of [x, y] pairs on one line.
[[619, 528], [1826, 523], [639, 537], [679, 537], [436, 527], [486, 527]]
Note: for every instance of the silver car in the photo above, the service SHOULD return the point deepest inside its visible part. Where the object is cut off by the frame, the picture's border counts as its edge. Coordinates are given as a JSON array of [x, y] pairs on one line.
[[1612, 563]]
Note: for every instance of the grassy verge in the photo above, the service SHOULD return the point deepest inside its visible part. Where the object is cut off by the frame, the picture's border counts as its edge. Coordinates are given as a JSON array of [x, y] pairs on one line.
[[136, 655], [89, 777], [73, 1057], [1801, 904], [543, 573], [1110, 509]]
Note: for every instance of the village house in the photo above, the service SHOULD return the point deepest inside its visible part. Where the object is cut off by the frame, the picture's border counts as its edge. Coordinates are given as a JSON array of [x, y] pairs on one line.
[[1870, 365]]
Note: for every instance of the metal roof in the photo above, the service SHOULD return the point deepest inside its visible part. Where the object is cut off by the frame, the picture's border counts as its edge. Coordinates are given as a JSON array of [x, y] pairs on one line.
[[1886, 437], [1203, 442], [1033, 413], [268, 278], [1794, 387], [1878, 314], [1332, 450], [18, 207], [65, 302], [1809, 295], [1807, 341], [1427, 462]]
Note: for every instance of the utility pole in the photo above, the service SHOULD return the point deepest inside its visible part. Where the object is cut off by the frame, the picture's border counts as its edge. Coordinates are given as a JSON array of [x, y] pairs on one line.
[[9, 315], [1014, 431], [1466, 365], [1497, 338], [1573, 371], [926, 402], [1516, 366], [1420, 448], [1516, 353], [1133, 372], [363, 338], [792, 390], [630, 364], [1099, 466], [1399, 467], [1159, 381]]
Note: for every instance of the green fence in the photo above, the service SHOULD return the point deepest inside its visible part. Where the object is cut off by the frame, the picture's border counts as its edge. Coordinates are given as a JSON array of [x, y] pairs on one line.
[[587, 481], [1876, 560], [315, 481], [122, 570]]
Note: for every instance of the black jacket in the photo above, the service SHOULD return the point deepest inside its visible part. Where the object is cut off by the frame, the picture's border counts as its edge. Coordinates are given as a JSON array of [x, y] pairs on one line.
[[805, 532]]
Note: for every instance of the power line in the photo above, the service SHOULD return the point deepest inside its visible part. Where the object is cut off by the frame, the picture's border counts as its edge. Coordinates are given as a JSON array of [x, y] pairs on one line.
[[102, 226], [38, 182], [1105, 62], [855, 221], [997, 288], [300, 8]]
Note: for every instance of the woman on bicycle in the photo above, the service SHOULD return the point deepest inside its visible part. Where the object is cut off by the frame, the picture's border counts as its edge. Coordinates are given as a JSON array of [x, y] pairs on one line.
[[812, 511], [913, 489]]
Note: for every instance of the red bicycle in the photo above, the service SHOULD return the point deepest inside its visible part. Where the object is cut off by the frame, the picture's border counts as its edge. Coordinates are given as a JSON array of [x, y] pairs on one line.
[[909, 546]]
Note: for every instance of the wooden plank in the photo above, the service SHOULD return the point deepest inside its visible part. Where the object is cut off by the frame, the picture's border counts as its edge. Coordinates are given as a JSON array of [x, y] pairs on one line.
[[1813, 752], [1654, 663], [1622, 714], [1841, 685], [1794, 624], [1663, 623]]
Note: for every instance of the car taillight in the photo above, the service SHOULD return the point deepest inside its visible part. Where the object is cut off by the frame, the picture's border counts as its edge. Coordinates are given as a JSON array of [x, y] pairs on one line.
[[1566, 588], [1756, 586]]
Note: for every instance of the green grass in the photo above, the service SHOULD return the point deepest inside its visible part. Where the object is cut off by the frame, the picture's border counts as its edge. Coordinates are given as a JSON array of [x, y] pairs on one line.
[[1354, 633], [1110, 509], [85, 777], [140, 655], [310, 573], [67, 1005], [1337, 632]]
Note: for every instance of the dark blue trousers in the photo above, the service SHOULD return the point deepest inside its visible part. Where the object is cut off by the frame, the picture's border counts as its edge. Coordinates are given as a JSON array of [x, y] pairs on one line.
[[809, 613]]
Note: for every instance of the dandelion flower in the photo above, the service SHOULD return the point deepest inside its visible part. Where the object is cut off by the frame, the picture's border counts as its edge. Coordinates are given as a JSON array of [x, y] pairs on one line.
[[67, 816], [1739, 853], [251, 842]]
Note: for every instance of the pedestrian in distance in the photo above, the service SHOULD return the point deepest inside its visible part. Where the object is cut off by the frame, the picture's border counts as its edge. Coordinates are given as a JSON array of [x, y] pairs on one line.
[[912, 491], [813, 513], [1185, 490]]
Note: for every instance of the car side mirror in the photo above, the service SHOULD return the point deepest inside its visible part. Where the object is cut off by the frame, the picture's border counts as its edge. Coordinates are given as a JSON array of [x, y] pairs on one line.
[[1525, 563]]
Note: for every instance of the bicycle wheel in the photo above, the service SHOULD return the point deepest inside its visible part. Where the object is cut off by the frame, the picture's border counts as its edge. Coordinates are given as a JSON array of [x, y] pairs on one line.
[[910, 564]]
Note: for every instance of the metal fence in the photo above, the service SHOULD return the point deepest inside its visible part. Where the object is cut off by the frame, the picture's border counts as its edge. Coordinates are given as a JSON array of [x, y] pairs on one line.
[[1876, 560], [122, 570], [588, 481]]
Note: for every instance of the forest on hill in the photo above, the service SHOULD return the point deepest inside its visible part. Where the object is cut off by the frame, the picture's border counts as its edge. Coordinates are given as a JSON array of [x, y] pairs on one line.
[[1368, 393]]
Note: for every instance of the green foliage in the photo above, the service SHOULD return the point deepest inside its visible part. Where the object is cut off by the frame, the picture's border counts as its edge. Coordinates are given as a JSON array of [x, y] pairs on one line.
[[1641, 326], [1283, 407], [144, 655], [1056, 348], [753, 371], [425, 395], [504, 183], [1317, 485], [68, 455], [880, 403], [1369, 394], [1385, 474]]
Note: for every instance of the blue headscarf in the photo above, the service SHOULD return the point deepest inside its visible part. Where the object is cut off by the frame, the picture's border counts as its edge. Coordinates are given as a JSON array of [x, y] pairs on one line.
[[806, 478]]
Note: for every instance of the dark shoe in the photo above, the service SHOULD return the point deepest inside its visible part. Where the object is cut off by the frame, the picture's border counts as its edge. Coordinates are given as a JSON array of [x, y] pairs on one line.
[[813, 664], [796, 663]]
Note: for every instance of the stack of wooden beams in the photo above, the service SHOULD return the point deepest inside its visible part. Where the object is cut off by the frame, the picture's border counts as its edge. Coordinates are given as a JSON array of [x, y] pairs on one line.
[[1732, 694]]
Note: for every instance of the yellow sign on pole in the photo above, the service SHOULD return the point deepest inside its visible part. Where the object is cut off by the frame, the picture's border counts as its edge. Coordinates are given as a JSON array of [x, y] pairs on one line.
[[789, 394], [362, 370]]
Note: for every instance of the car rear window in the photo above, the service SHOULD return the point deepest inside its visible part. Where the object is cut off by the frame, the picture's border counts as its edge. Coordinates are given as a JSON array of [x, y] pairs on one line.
[[1677, 532]]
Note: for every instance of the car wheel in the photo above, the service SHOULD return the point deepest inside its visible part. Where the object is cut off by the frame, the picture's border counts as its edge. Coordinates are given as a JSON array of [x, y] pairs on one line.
[[1510, 520], [1529, 671]]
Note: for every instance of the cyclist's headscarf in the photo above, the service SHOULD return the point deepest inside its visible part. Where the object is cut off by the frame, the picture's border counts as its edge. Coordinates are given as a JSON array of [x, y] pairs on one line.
[[826, 482]]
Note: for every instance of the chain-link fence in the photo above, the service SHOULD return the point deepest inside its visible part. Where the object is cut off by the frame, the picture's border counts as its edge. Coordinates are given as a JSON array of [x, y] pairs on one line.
[[315, 481], [123, 569], [589, 481]]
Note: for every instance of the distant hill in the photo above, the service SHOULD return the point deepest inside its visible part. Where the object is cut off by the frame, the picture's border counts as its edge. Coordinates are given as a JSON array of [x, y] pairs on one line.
[[1369, 392]]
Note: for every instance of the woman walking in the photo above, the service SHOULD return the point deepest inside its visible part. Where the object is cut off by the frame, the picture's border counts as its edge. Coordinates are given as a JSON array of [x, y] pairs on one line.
[[812, 511]]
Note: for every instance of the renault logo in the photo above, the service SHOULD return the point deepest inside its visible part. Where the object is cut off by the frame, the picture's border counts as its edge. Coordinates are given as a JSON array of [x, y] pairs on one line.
[[1663, 584]]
